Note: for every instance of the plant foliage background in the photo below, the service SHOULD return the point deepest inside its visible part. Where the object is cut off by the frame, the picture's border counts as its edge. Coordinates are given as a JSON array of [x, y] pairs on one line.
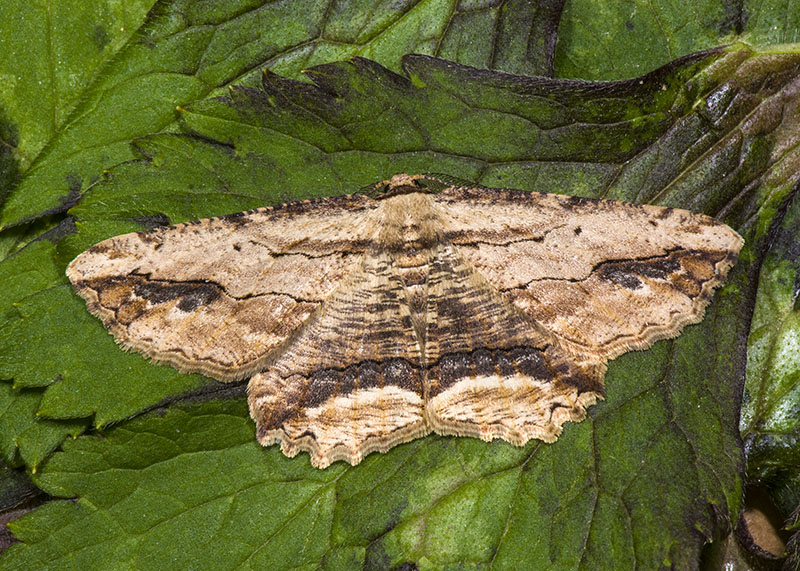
[[118, 117]]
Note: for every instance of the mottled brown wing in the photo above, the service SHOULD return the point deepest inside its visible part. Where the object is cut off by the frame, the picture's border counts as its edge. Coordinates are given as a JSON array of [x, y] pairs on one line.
[[492, 373], [216, 296], [351, 381], [604, 277]]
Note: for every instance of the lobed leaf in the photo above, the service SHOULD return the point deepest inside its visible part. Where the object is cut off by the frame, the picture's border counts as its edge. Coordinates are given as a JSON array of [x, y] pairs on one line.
[[633, 484], [653, 473]]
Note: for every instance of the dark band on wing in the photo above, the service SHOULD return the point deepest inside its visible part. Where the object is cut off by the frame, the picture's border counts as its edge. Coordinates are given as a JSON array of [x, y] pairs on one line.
[[546, 365]]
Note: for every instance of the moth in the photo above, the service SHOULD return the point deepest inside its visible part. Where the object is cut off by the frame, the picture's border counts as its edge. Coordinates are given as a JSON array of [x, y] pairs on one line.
[[368, 320]]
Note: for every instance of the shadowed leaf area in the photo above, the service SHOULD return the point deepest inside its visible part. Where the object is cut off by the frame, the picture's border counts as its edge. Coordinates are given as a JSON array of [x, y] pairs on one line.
[[770, 421], [170, 473]]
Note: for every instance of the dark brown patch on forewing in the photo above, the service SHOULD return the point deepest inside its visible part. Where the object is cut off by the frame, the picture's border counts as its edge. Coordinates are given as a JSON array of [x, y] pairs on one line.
[[696, 268], [621, 274], [191, 295], [128, 297], [657, 268], [686, 270]]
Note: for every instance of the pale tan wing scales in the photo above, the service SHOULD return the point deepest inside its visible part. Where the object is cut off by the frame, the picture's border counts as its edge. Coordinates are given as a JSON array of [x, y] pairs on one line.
[[604, 277], [217, 295]]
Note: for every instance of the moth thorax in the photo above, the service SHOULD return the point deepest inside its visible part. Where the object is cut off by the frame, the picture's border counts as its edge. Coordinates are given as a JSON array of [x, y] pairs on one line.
[[409, 233], [409, 224]]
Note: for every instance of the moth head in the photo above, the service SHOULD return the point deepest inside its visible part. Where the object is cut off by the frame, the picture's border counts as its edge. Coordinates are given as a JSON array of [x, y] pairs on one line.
[[410, 183]]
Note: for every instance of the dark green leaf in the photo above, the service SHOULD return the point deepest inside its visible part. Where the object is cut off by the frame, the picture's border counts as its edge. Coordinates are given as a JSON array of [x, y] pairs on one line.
[[770, 421], [15, 487], [598, 40]]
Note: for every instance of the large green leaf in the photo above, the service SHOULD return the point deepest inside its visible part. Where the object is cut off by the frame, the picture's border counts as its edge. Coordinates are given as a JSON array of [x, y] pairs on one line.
[[186, 50], [653, 472], [192, 485], [635, 483]]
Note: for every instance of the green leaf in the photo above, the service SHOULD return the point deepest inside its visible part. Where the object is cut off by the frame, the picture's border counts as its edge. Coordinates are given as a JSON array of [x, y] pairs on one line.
[[633, 484], [62, 133], [21, 428], [51, 52], [618, 40], [149, 480], [88, 363], [195, 479], [653, 472], [770, 422]]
